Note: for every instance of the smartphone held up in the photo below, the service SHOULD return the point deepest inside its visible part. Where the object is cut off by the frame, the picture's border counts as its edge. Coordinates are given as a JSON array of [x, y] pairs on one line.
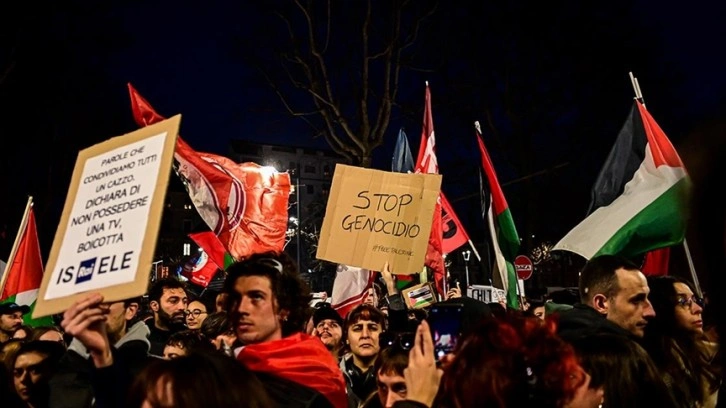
[[445, 322]]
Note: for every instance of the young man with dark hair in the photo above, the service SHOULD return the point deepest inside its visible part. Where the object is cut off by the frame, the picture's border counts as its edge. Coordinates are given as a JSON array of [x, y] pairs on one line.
[[168, 300], [267, 303], [613, 299], [390, 382], [329, 328]]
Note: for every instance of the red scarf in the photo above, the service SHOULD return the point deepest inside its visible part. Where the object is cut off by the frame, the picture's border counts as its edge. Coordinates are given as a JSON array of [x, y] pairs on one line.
[[300, 358]]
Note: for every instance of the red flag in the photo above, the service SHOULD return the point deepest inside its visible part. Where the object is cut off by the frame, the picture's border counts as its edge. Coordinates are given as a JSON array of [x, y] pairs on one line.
[[426, 163], [244, 204], [209, 243], [200, 270], [302, 359], [454, 234], [24, 271], [656, 262]]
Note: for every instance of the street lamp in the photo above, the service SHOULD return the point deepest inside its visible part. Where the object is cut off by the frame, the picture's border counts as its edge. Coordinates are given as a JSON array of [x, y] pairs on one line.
[[467, 255]]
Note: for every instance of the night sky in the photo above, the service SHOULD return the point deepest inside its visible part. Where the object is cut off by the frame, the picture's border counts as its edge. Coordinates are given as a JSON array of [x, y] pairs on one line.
[[553, 78]]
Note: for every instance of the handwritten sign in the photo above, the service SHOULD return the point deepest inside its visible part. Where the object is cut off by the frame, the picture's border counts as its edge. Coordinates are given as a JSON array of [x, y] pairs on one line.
[[374, 217], [107, 234]]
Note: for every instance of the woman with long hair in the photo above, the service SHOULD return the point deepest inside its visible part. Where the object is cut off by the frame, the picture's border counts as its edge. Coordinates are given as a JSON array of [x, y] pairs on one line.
[[676, 342]]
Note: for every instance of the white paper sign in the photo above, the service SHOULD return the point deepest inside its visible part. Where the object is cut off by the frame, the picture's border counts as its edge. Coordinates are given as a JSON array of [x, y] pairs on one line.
[[106, 227]]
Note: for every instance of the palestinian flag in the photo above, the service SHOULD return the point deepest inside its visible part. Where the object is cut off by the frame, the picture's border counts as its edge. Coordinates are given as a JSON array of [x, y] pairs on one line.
[[639, 198], [504, 237], [24, 271]]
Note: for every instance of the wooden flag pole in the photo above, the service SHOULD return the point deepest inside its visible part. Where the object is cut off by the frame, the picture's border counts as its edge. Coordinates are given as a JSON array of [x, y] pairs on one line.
[[691, 266], [14, 250]]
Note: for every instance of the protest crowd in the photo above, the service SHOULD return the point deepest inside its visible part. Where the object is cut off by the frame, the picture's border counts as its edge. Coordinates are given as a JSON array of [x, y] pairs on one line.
[[630, 341], [626, 339]]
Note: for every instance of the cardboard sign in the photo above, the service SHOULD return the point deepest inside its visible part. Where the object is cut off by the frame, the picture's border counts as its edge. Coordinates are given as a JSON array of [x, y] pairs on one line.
[[107, 234], [374, 217]]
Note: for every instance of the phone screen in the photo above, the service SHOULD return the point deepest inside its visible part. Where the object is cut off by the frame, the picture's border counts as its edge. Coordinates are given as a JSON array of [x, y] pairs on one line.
[[445, 323]]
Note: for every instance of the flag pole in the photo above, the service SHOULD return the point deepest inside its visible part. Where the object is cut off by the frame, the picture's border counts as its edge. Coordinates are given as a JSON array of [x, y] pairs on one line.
[[691, 266], [692, 269], [14, 250]]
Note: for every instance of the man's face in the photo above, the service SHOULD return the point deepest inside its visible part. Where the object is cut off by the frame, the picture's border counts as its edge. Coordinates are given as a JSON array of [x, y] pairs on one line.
[[10, 322], [254, 310], [330, 333], [370, 298], [630, 307], [539, 312], [29, 374], [363, 338], [391, 388], [171, 306], [117, 317]]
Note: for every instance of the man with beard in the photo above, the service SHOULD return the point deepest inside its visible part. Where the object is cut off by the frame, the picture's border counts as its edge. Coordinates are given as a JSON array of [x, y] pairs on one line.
[[168, 300], [329, 328], [11, 318]]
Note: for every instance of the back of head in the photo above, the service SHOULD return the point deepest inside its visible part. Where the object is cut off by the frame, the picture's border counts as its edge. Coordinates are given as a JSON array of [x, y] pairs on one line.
[[200, 379], [511, 361], [598, 276], [290, 291], [216, 324], [663, 298], [624, 369]]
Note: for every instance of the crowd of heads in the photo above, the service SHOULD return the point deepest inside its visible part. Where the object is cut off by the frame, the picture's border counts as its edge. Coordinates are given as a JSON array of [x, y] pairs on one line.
[[630, 341]]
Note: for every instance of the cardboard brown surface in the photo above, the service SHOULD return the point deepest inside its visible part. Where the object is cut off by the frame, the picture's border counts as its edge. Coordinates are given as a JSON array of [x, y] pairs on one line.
[[374, 217], [107, 234]]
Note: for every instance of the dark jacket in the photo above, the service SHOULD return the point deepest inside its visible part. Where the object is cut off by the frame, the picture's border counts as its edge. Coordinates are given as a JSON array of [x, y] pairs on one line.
[[158, 338], [583, 320], [289, 394], [71, 385]]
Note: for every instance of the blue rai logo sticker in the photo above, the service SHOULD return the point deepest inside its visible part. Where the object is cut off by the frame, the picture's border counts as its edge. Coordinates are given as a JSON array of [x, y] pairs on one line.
[[85, 270]]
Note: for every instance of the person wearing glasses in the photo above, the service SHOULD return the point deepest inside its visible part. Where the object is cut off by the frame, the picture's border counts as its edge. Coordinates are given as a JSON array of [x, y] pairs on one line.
[[195, 313], [676, 342]]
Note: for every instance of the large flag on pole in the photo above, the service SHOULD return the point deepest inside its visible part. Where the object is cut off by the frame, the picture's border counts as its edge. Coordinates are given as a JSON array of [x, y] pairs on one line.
[[504, 238], [639, 198], [244, 204], [427, 163], [24, 270]]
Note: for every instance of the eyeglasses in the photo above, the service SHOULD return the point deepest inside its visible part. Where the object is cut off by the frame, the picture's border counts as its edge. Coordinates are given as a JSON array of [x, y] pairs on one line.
[[687, 302], [403, 341], [195, 312]]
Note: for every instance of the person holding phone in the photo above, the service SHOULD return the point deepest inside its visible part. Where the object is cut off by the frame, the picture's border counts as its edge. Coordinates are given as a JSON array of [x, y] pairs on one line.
[[422, 376]]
